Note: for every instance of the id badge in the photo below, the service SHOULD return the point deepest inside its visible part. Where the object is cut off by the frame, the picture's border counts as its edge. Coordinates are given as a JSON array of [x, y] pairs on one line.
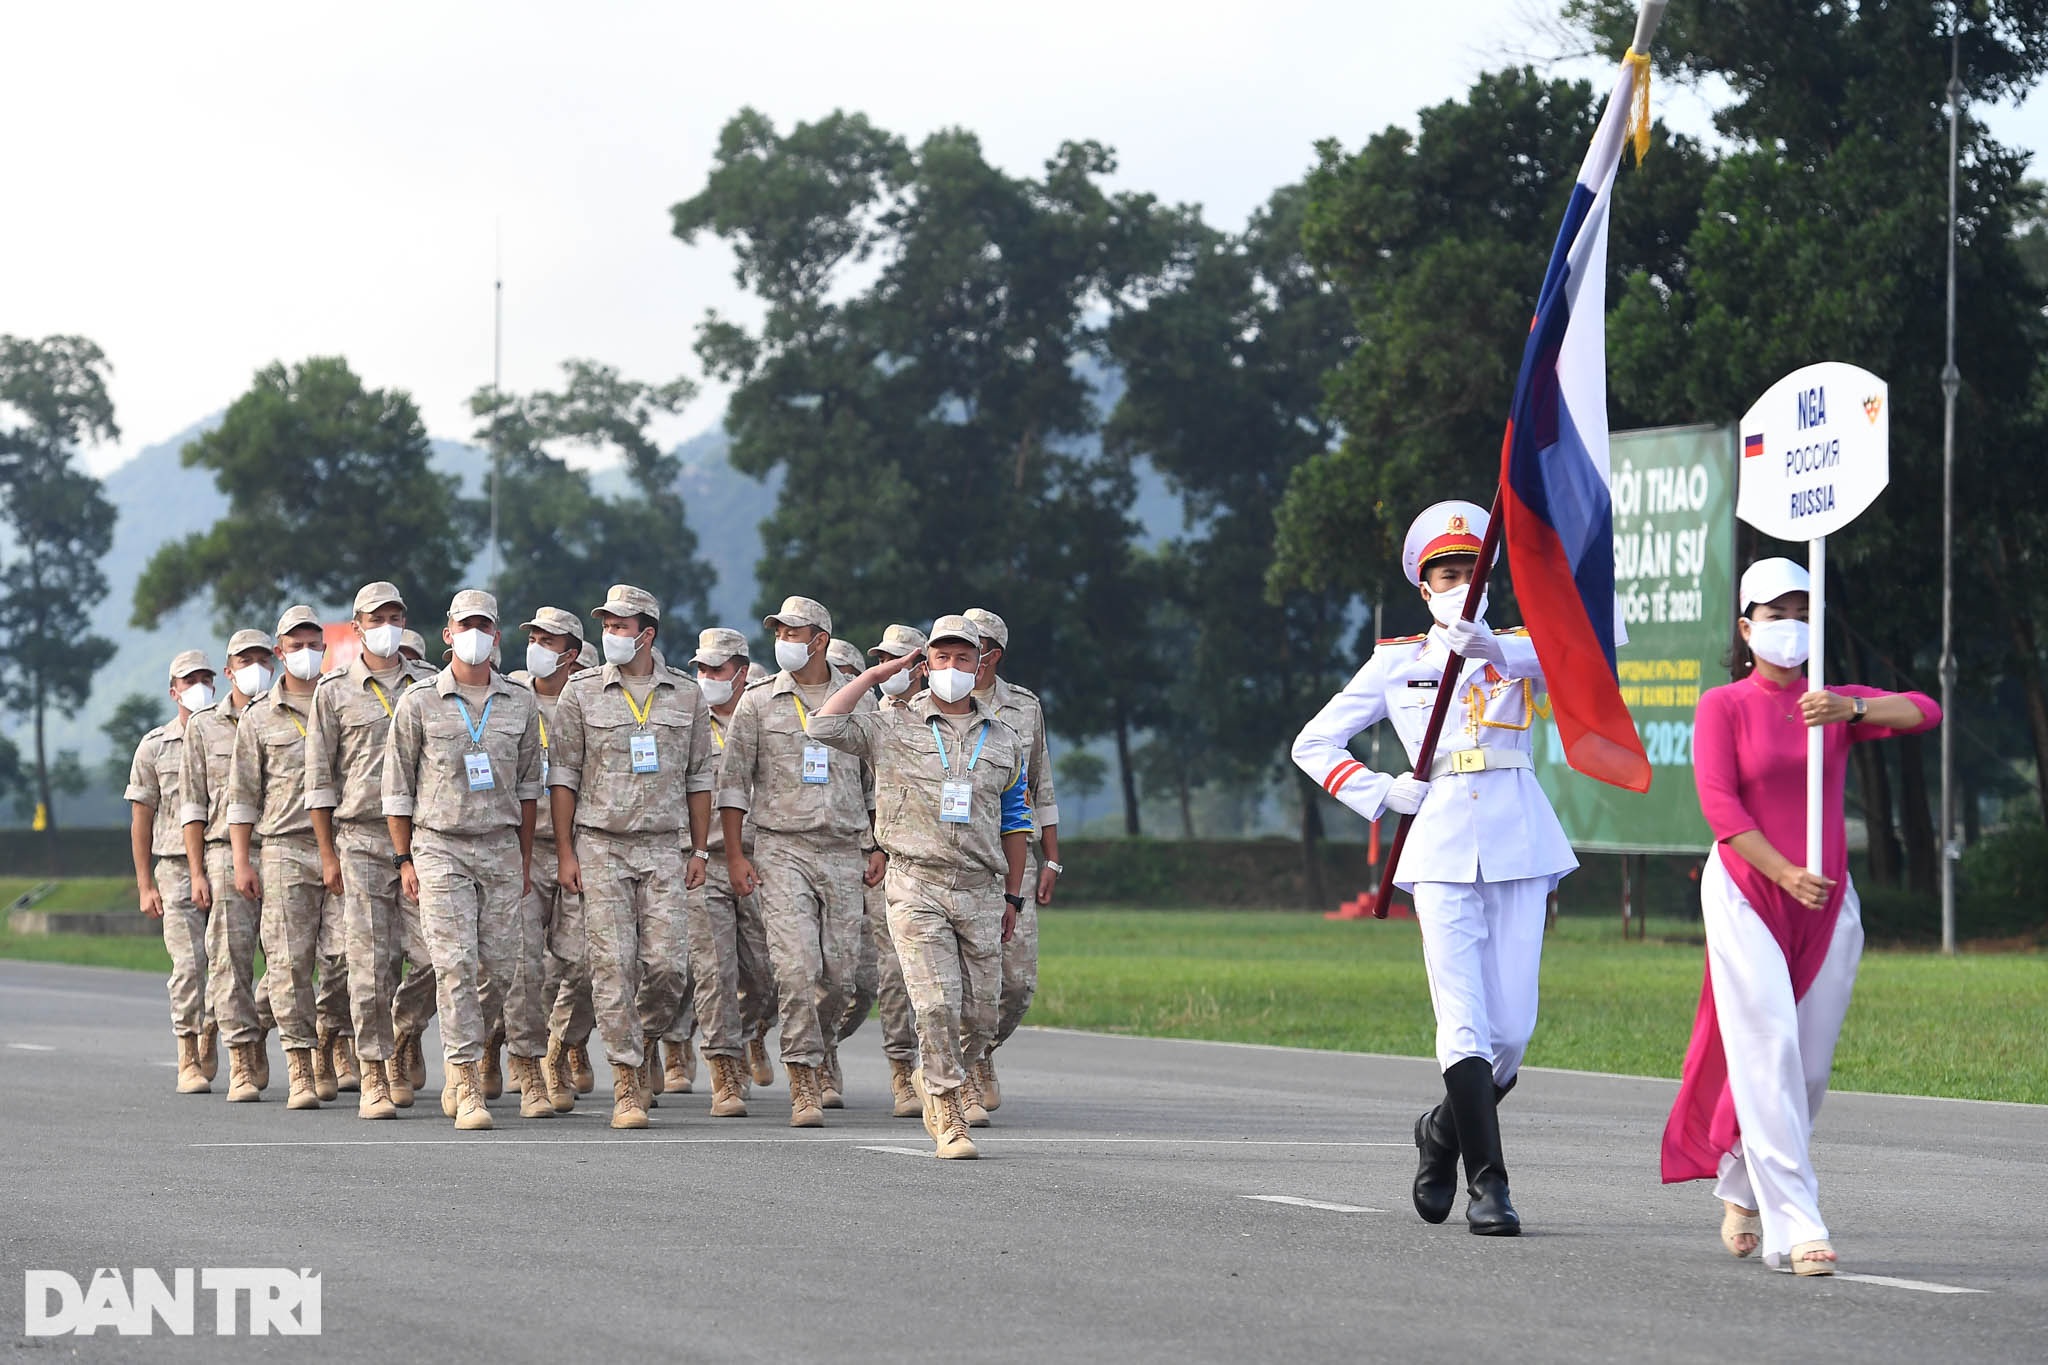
[[956, 802], [816, 767], [478, 765], [644, 760], [543, 772]]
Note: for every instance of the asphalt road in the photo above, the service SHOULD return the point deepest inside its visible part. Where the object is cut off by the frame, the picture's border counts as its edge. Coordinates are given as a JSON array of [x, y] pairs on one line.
[[1121, 1212]]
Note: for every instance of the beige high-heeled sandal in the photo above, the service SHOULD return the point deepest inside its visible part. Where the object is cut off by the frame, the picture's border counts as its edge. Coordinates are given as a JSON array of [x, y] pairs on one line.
[[1807, 1258], [1740, 1222]]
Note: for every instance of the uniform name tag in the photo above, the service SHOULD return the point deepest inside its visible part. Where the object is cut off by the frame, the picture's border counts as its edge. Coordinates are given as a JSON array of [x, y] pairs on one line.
[[1422, 682], [644, 760], [956, 802], [543, 770], [478, 765], [817, 768]]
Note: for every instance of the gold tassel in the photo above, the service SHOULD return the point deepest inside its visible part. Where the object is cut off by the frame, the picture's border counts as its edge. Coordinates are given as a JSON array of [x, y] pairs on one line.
[[1638, 131]]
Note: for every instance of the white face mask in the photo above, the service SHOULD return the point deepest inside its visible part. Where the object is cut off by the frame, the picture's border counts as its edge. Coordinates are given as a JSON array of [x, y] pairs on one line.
[[951, 684], [473, 646], [896, 684], [304, 664], [1449, 606], [382, 641], [253, 680], [717, 691], [791, 655], [1782, 642], [542, 661], [621, 649], [197, 697]]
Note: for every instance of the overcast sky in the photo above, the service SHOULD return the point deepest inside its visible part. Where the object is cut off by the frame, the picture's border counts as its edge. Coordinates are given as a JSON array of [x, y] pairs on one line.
[[205, 189]]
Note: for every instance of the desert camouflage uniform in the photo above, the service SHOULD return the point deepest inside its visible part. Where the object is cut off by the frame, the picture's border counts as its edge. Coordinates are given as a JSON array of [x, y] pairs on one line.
[[153, 779], [629, 837], [465, 847], [238, 1001], [300, 924], [345, 773], [554, 921], [732, 978], [945, 881], [808, 838], [1020, 709]]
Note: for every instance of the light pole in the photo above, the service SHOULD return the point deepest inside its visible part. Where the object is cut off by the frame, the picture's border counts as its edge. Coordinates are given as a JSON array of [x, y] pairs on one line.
[[1951, 381], [497, 357]]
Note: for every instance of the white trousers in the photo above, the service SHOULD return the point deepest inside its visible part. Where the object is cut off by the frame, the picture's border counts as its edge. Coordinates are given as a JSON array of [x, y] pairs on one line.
[[1483, 945], [1779, 1055]]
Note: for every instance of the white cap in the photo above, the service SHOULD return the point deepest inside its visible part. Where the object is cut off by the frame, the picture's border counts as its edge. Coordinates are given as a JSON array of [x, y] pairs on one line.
[[1447, 528], [1767, 580]]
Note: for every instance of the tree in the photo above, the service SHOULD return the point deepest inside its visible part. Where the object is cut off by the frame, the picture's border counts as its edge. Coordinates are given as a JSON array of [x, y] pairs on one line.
[[134, 716], [329, 486], [562, 544], [59, 525]]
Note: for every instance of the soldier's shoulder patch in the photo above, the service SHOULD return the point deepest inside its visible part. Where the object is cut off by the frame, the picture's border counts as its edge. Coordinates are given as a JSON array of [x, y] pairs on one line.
[[1512, 630], [768, 681], [334, 677], [1402, 639]]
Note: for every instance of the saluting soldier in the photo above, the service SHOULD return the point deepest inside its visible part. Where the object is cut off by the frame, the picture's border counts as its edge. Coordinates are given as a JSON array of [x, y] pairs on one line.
[[630, 768], [1483, 855], [953, 824], [163, 880], [461, 776]]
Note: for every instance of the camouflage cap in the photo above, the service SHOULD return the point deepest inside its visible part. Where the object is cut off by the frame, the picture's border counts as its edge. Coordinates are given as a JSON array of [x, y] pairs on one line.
[[413, 641], [800, 611], [844, 654], [555, 621], [189, 661], [294, 617], [955, 628], [898, 641], [623, 599], [755, 672], [473, 602], [375, 595], [249, 639], [992, 627], [718, 644], [587, 656]]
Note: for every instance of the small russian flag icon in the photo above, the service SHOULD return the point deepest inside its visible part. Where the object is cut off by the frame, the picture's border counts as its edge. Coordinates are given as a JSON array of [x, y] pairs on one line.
[[1752, 445]]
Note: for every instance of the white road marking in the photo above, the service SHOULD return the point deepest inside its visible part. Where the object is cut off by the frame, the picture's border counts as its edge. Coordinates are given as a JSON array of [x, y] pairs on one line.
[[896, 1151], [1924, 1286], [41, 1047], [1298, 1202]]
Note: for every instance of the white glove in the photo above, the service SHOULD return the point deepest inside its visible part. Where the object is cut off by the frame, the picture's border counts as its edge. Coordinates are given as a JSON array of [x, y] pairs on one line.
[[1405, 796], [1474, 640]]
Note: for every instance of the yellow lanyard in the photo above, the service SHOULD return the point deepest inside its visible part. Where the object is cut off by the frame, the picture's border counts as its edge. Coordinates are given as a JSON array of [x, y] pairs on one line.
[[385, 701], [543, 730], [639, 716], [803, 717], [294, 718], [718, 734]]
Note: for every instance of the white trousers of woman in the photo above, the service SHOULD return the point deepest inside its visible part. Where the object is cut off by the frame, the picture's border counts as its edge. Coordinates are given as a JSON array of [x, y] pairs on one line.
[[1779, 1055]]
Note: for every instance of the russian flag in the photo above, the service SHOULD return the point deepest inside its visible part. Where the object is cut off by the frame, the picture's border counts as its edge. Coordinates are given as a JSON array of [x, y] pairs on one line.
[[1554, 476]]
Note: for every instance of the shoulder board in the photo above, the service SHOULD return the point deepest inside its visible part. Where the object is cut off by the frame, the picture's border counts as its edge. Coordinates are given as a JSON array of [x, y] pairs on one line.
[[520, 676], [422, 671], [591, 672], [762, 682], [1513, 630], [336, 676], [157, 733], [1023, 691], [1403, 639], [686, 677]]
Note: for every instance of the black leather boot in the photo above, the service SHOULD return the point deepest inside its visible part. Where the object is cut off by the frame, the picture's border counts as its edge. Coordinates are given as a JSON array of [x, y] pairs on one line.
[[1469, 1084], [1436, 1174]]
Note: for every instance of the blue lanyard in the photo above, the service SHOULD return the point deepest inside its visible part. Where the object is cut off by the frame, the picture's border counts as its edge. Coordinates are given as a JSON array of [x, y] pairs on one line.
[[476, 728], [947, 763]]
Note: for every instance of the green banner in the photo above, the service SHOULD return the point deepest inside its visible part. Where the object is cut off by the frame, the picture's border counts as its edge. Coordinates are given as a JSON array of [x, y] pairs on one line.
[[1674, 569]]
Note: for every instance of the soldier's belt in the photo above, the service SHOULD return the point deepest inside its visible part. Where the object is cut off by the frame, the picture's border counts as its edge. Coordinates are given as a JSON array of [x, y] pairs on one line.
[[1477, 760]]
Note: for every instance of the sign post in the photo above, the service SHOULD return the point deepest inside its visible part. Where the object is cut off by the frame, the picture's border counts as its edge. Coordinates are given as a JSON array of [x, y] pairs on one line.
[[1816, 451]]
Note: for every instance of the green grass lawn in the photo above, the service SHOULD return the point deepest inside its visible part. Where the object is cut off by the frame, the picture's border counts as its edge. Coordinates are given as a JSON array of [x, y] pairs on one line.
[[1970, 1027], [73, 894]]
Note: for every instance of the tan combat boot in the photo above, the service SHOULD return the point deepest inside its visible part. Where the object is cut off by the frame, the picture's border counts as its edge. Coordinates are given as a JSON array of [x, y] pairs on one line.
[[969, 1092], [904, 1095], [681, 1075], [804, 1109], [348, 1068], [242, 1087], [209, 1051], [831, 1085], [375, 1100], [554, 1070], [259, 1060], [398, 1072], [579, 1069], [191, 1076], [416, 1062], [991, 1093], [467, 1081], [927, 1105], [451, 1094], [627, 1111], [324, 1087], [758, 1065], [298, 1062], [726, 1100], [493, 1069], [954, 1144], [534, 1100]]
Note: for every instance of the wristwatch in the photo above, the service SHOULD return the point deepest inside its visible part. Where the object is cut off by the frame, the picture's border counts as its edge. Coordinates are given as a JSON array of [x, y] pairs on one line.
[[401, 860], [1862, 709], [703, 853], [1016, 902], [1054, 868]]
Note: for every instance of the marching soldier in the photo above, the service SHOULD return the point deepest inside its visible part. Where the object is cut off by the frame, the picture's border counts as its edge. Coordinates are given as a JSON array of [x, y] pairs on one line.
[[345, 742], [461, 776], [1482, 857], [630, 764], [954, 831], [163, 882], [811, 817], [232, 918], [1019, 707]]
